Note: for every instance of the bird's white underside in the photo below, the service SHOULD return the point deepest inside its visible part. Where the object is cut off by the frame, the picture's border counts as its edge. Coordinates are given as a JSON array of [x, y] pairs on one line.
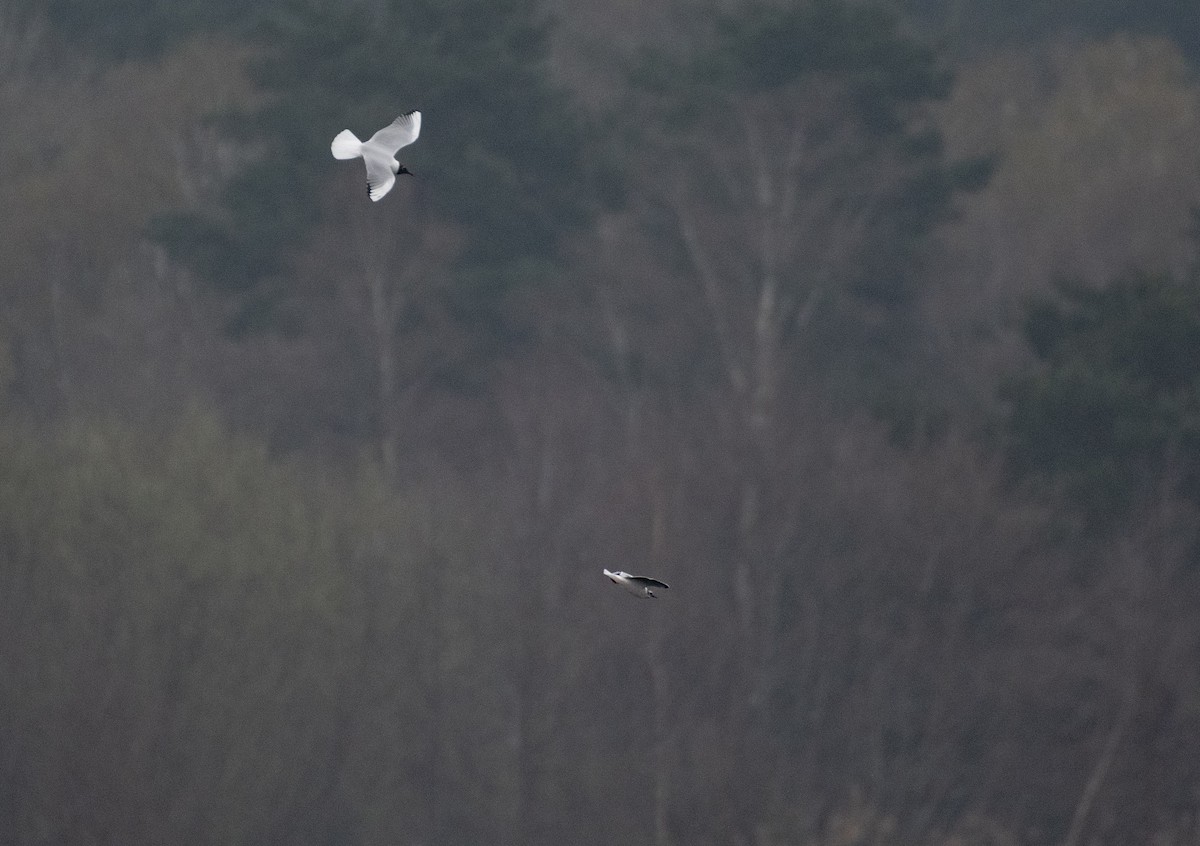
[[642, 586], [379, 151], [381, 175]]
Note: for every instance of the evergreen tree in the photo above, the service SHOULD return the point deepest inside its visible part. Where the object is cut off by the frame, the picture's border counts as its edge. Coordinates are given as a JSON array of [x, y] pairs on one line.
[[795, 153], [982, 23], [1113, 411], [500, 159], [137, 29]]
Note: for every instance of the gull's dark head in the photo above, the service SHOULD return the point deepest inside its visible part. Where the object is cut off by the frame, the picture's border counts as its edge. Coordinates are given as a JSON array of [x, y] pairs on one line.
[[403, 170]]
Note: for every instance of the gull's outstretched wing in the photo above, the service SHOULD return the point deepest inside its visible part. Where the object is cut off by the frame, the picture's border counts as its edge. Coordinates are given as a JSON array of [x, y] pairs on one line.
[[645, 581], [399, 133], [380, 178]]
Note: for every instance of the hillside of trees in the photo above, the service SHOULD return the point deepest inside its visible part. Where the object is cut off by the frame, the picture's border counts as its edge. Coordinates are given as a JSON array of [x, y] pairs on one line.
[[871, 328]]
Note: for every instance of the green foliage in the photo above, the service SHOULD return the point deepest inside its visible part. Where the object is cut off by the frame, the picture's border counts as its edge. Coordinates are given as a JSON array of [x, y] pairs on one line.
[[183, 621], [1096, 173], [76, 142], [1113, 413], [765, 48], [138, 29], [979, 23], [773, 46], [501, 157], [802, 139]]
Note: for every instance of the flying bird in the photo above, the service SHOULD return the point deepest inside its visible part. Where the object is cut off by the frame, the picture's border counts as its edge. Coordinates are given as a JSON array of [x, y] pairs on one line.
[[637, 585], [379, 151]]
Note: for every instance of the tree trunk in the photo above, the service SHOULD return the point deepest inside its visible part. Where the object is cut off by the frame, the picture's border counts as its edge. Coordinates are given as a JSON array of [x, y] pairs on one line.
[[1100, 769], [383, 324]]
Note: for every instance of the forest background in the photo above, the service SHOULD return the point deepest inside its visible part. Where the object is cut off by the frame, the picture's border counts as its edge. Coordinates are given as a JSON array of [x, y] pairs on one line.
[[872, 329]]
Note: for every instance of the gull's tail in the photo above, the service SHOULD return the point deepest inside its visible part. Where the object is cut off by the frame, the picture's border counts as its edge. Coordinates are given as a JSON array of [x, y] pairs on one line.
[[346, 145]]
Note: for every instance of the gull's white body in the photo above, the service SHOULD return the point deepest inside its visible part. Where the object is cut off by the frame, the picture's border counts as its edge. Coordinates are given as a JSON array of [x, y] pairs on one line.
[[379, 151], [637, 585]]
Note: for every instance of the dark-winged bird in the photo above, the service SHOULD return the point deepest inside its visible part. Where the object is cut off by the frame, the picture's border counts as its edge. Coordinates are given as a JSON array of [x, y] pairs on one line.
[[637, 585]]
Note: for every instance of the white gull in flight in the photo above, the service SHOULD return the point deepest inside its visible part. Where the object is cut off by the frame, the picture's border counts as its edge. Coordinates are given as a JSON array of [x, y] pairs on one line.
[[379, 151]]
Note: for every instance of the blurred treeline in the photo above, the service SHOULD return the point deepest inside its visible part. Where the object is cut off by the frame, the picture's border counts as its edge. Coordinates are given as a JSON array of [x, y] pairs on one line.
[[873, 330]]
